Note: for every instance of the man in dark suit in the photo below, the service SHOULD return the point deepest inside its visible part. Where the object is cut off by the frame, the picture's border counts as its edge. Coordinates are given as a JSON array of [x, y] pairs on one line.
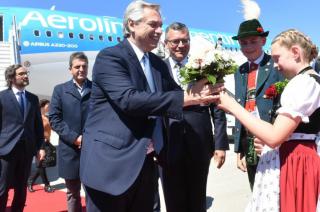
[[252, 37], [21, 136], [191, 144], [316, 64], [131, 93], [68, 112]]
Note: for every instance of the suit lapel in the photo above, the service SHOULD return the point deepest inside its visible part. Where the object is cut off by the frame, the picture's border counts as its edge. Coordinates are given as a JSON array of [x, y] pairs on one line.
[[71, 89], [169, 67], [14, 101], [156, 74], [88, 89], [264, 72], [28, 104], [244, 80], [133, 60]]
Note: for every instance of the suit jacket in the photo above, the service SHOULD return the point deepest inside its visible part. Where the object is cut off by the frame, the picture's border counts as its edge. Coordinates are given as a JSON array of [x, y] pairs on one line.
[[267, 75], [197, 126], [119, 128], [67, 114], [14, 127], [317, 65]]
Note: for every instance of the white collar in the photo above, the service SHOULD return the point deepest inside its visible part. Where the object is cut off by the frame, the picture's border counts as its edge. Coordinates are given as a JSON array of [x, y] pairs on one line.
[[139, 52], [174, 62], [258, 60], [16, 90]]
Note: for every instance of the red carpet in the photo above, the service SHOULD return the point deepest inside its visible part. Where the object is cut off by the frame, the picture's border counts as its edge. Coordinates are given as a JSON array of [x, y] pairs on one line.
[[40, 201]]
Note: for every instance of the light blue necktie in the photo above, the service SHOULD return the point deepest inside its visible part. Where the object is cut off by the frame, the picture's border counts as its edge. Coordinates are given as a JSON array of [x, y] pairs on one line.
[[21, 102], [157, 135], [147, 72]]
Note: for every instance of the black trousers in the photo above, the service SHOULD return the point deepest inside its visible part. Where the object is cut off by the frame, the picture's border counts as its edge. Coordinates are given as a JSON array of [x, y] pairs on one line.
[[41, 171], [189, 151], [14, 172], [185, 187], [156, 204], [138, 198]]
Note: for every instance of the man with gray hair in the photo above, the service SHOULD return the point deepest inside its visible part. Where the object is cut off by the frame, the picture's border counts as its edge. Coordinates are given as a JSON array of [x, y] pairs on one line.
[[191, 142], [132, 93]]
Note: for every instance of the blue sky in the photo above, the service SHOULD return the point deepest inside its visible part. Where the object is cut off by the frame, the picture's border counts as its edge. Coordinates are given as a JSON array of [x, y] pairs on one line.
[[223, 15]]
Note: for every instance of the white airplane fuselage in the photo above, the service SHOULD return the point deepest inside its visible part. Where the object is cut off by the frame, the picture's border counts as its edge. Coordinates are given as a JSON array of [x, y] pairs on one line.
[[47, 38]]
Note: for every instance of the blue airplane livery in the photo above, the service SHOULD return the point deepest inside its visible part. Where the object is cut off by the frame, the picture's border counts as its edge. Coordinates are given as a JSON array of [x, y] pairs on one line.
[[42, 40]]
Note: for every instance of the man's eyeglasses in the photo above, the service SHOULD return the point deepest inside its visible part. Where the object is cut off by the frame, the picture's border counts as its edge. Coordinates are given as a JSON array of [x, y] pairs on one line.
[[21, 74], [177, 42]]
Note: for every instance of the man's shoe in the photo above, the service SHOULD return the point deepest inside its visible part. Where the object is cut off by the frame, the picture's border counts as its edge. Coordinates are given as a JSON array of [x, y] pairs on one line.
[[30, 189], [48, 189]]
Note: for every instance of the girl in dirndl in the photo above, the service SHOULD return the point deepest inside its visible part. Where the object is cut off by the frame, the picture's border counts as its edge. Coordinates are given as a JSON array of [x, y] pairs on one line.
[[288, 173]]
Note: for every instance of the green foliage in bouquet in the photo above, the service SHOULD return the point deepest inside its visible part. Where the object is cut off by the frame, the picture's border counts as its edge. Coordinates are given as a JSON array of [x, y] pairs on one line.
[[214, 66], [281, 85]]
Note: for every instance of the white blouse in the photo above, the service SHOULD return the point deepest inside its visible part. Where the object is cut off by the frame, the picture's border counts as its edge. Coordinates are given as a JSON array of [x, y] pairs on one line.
[[301, 97]]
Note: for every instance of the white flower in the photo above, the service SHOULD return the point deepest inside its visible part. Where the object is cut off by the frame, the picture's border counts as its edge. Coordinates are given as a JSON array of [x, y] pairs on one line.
[[207, 62], [225, 56], [195, 63], [209, 58], [200, 46]]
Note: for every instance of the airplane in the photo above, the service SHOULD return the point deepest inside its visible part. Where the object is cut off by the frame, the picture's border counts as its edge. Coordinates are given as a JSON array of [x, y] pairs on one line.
[[42, 40]]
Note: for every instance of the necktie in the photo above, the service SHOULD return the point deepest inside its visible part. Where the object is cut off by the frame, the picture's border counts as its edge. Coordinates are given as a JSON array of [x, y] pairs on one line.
[[251, 87], [147, 72], [251, 155], [157, 136], [21, 102], [177, 66]]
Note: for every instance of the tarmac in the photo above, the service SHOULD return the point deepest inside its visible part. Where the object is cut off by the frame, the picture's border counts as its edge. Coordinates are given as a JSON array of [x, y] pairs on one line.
[[228, 188]]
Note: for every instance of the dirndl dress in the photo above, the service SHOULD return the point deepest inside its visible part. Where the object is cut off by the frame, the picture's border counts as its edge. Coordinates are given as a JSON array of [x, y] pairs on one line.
[[288, 177]]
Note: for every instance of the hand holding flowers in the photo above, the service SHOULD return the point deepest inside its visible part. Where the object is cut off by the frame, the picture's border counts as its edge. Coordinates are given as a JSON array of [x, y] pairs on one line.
[[201, 93]]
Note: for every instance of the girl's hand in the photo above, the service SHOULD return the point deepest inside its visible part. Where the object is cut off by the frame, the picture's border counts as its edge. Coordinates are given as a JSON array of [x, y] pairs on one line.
[[226, 102], [258, 146]]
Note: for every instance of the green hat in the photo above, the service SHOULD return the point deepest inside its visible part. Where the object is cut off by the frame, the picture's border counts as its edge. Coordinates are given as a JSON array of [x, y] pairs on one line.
[[250, 28]]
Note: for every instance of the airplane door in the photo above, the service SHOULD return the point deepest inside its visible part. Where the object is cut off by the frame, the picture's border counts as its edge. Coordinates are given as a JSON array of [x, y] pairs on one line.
[[1, 28]]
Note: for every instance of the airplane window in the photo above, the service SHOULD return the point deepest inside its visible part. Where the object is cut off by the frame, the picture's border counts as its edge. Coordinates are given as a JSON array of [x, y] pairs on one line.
[[110, 38], [81, 36], [36, 33], [70, 35], [118, 39], [91, 37], [49, 33], [60, 35], [101, 37]]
